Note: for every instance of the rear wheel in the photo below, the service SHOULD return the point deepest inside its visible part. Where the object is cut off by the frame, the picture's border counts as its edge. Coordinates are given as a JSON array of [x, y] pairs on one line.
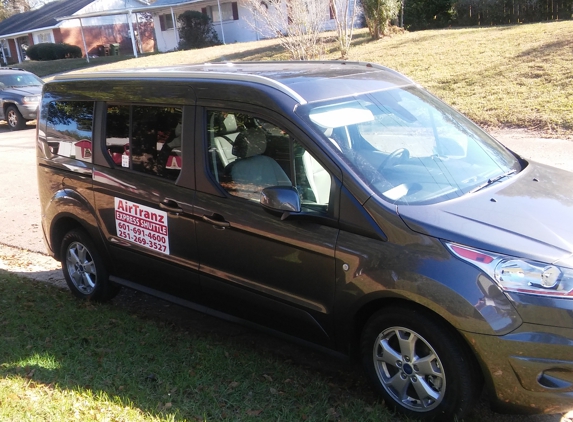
[[14, 118], [83, 268], [419, 365]]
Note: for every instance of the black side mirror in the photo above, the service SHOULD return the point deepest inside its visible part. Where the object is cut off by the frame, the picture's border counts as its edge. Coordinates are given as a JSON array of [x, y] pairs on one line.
[[283, 199]]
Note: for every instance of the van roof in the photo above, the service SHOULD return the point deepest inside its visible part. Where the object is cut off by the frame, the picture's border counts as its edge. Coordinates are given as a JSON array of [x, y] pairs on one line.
[[304, 81]]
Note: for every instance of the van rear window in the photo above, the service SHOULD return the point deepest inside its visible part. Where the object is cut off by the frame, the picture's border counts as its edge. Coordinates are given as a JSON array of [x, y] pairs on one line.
[[69, 129], [146, 139]]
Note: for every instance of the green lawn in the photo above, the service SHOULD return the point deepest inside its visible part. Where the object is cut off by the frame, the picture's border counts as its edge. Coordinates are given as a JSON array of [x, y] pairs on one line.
[[507, 76], [63, 360]]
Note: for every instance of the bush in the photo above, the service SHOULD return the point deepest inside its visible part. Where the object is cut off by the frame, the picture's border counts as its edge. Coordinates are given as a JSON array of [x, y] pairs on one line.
[[378, 14], [196, 31], [51, 51]]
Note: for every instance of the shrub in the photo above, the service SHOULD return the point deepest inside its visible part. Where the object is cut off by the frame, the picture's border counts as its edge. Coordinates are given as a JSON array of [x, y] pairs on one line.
[[378, 14], [51, 51], [196, 31]]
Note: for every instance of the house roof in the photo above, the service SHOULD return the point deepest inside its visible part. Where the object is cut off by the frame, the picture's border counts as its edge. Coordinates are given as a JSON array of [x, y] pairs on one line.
[[171, 2], [145, 7], [44, 17]]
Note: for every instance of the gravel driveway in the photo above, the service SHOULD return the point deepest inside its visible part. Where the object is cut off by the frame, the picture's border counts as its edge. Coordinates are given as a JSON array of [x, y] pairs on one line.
[[22, 250]]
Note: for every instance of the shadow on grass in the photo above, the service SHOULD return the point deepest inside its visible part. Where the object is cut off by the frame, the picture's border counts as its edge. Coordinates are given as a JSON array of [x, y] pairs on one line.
[[46, 68], [548, 50], [169, 361], [172, 363], [274, 52]]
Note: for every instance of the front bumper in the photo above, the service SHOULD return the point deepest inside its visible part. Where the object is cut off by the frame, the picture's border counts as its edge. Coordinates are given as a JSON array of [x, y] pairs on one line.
[[529, 370], [28, 111]]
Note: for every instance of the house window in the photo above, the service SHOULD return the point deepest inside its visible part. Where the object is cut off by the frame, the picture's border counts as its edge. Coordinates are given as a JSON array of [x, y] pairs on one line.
[[166, 22], [5, 46], [43, 37], [229, 12]]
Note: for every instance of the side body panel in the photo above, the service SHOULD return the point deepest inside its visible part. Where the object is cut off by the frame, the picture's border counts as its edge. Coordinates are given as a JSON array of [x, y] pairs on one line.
[[147, 220], [279, 274]]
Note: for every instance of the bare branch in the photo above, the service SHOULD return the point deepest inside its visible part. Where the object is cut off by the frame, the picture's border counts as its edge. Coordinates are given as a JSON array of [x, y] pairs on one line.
[[296, 23], [344, 12]]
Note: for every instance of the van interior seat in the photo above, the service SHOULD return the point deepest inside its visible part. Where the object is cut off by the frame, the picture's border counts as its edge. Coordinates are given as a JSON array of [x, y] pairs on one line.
[[225, 138], [252, 171], [317, 177]]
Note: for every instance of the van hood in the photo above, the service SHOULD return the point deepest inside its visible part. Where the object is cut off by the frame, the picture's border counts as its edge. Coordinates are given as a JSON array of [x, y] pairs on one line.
[[529, 215]]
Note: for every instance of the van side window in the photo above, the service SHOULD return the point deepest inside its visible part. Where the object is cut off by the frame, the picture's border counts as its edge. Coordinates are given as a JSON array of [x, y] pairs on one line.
[[248, 154], [69, 129], [312, 180], [146, 139]]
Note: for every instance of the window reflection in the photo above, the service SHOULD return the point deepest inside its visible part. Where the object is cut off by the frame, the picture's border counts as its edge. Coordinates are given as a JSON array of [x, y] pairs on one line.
[[69, 129], [409, 147]]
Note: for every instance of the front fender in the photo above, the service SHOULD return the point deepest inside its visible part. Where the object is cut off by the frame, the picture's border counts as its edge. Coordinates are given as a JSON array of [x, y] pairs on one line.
[[423, 272], [4, 105]]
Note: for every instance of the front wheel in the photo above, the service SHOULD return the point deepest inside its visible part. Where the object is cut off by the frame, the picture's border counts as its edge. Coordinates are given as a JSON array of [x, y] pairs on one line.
[[419, 365], [84, 269], [14, 118]]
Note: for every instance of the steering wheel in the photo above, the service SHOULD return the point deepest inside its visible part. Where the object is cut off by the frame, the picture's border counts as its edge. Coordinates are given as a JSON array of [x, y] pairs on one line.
[[399, 155]]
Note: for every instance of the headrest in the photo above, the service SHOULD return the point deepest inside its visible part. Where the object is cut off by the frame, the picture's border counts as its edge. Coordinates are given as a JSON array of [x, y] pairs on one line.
[[228, 125], [250, 142]]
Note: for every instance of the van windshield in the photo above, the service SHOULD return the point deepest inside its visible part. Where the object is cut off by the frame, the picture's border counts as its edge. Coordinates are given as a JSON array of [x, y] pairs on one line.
[[21, 79], [409, 147]]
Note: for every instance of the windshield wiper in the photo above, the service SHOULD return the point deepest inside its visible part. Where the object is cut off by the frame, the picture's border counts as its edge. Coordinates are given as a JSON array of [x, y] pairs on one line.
[[493, 180]]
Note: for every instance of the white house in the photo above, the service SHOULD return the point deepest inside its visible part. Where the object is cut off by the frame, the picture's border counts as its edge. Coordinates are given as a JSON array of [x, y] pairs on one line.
[[135, 25], [232, 21], [46, 25]]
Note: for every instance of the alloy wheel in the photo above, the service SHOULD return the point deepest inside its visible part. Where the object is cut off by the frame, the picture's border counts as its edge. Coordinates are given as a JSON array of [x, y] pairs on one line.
[[409, 369], [81, 268]]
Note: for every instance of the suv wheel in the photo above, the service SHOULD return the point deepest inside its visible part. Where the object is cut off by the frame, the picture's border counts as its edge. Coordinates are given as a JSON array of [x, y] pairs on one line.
[[83, 268], [14, 118], [419, 365]]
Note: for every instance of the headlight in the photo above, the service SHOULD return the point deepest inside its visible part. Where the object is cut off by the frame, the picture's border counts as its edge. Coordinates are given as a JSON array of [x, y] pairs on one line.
[[33, 99], [519, 275]]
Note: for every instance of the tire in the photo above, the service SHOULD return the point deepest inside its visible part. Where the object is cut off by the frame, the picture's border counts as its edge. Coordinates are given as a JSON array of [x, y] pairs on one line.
[[84, 269], [14, 118], [419, 365]]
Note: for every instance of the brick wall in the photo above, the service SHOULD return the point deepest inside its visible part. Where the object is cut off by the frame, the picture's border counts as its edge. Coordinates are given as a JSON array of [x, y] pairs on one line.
[[57, 36], [13, 53]]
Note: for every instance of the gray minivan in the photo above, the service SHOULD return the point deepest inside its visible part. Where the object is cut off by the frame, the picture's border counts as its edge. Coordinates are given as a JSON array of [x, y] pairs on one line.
[[337, 203]]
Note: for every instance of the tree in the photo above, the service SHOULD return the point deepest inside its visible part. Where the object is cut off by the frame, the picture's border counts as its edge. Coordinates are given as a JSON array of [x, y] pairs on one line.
[[426, 14], [378, 14], [296, 23], [196, 31], [11, 7], [344, 13]]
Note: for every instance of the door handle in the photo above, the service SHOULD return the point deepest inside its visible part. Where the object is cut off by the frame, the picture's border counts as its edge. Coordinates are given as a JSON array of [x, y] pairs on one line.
[[170, 206], [216, 220]]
